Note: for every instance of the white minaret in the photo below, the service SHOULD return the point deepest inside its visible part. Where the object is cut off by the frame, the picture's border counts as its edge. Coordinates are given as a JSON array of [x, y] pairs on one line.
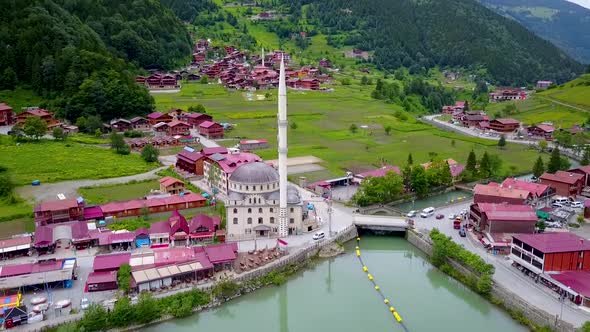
[[282, 139], [263, 57]]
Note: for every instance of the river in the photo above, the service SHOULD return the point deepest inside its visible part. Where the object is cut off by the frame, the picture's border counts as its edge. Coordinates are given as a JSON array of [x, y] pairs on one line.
[[335, 295]]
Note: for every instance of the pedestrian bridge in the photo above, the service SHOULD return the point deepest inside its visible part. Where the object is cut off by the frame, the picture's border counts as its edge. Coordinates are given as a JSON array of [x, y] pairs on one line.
[[380, 223]]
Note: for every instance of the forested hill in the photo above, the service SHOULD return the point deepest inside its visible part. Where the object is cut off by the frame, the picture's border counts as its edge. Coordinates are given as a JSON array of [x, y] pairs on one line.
[[565, 24], [82, 55], [426, 33], [187, 10]]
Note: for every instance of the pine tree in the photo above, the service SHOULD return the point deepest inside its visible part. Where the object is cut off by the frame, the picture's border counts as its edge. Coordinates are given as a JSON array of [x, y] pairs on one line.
[[410, 159], [471, 162], [485, 167], [149, 153], [420, 181], [502, 141], [539, 167], [586, 158], [446, 178], [554, 161]]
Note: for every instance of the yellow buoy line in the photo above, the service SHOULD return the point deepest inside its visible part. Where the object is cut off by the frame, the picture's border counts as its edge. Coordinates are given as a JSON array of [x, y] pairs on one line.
[[395, 314]]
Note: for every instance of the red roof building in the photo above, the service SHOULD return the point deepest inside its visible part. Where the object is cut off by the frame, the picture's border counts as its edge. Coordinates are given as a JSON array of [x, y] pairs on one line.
[[551, 252], [157, 117], [195, 119], [171, 185], [576, 283], [504, 94], [110, 262], [563, 183], [541, 131], [7, 116], [496, 194], [36, 112], [134, 208], [503, 218], [253, 144], [58, 211], [190, 161], [504, 125], [211, 129], [101, 281], [537, 189], [202, 228], [583, 170], [141, 124], [176, 127]]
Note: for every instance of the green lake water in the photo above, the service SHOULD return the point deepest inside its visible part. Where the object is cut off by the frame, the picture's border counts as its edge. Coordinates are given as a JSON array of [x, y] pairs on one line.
[[336, 295]]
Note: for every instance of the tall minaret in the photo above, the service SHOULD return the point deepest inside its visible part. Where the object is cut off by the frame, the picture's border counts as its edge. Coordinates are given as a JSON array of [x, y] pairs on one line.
[[263, 57], [282, 139]]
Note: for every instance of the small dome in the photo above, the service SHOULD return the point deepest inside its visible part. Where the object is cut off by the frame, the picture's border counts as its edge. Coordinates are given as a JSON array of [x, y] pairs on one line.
[[255, 173]]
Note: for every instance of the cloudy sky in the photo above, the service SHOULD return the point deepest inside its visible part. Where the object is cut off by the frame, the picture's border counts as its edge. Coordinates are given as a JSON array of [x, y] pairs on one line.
[[585, 3]]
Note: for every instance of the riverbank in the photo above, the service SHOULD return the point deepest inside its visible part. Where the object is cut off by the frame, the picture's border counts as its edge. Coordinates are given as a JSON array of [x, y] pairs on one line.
[[275, 273], [519, 309]]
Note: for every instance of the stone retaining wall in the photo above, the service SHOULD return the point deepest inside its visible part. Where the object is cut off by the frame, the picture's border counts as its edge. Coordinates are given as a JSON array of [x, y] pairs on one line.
[[510, 299]]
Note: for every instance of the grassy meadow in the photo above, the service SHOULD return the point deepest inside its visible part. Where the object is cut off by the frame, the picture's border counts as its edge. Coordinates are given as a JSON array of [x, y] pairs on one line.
[[576, 92], [323, 120], [50, 161], [537, 109], [118, 192]]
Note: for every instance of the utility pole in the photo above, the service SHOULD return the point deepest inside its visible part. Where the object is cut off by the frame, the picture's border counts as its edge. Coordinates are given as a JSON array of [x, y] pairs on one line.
[[329, 201]]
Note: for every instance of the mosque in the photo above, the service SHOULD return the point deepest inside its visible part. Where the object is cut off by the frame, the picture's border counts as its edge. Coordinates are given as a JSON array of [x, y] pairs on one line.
[[261, 202]]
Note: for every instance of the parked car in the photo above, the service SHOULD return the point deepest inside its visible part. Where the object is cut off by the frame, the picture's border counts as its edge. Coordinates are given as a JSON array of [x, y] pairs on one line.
[[462, 232], [34, 317], [440, 216], [464, 212], [427, 212], [452, 216], [556, 205], [84, 303], [411, 214], [319, 235], [576, 205]]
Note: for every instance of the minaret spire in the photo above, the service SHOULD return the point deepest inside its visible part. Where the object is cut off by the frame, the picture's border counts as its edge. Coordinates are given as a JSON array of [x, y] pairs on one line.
[[263, 57], [282, 140]]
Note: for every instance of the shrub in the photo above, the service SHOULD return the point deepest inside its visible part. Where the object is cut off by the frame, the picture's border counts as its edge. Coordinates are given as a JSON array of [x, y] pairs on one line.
[[124, 278], [95, 318], [225, 289]]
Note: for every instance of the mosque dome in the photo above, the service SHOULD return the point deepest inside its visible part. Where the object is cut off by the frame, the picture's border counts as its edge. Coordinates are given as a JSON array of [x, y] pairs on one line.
[[255, 173]]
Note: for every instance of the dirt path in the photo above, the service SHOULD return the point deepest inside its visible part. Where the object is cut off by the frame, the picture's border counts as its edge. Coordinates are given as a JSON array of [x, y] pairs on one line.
[[49, 191], [565, 104]]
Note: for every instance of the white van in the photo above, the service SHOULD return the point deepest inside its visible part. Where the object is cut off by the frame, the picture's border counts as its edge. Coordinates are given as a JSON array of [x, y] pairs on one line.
[[561, 200], [427, 212], [319, 235]]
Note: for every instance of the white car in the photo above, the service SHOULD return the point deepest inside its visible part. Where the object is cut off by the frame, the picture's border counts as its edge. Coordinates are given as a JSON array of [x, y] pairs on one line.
[[34, 317], [411, 214], [576, 205], [319, 235], [556, 205], [84, 304], [452, 216]]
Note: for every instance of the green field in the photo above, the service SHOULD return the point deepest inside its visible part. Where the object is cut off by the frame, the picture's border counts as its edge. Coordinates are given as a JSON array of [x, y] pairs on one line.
[[20, 98], [118, 192], [576, 92], [50, 161], [323, 121], [537, 109], [13, 211]]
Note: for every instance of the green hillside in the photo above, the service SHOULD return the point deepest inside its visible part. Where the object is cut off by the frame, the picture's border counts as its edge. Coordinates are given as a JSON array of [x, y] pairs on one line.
[[563, 23], [423, 34], [576, 92]]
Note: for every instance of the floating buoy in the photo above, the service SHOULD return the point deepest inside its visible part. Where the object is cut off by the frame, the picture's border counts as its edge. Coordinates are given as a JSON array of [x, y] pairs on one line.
[[358, 238], [357, 248], [376, 287], [386, 301], [370, 276], [365, 269], [397, 317], [358, 252], [391, 309]]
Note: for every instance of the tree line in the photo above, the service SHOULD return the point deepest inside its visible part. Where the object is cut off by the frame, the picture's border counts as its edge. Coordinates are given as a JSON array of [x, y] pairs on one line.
[[83, 55], [423, 34]]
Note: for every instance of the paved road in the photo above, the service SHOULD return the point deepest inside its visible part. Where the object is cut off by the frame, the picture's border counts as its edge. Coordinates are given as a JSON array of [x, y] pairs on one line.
[[49, 191], [506, 275]]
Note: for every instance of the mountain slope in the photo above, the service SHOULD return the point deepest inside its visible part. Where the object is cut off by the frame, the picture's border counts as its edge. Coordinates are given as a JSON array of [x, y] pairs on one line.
[[565, 24], [425, 33]]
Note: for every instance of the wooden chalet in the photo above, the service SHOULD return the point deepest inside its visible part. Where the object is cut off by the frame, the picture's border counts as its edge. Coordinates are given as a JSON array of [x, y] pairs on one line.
[[7, 116], [195, 119], [140, 123], [120, 125], [211, 129], [157, 117], [541, 131], [170, 185], [36, 112], [504, 125]]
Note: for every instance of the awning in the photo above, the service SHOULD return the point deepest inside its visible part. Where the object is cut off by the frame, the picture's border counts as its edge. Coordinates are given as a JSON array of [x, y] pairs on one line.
[[262, 228]]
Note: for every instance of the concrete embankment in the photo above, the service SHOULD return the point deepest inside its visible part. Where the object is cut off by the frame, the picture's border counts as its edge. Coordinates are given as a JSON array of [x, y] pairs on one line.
[[510, 300]]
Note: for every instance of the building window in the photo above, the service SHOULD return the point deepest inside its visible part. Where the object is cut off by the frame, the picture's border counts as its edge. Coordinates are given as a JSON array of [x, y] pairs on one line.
[[259, 210], [292, 210], [259, 201], [235, 210], [249, 200], [249, 210], [272, 210], [268, 186], [272, 220], [249, 220], [291, 220], [259, 220], [247, 188], [248, 231], [235, 221], [275, 229]]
